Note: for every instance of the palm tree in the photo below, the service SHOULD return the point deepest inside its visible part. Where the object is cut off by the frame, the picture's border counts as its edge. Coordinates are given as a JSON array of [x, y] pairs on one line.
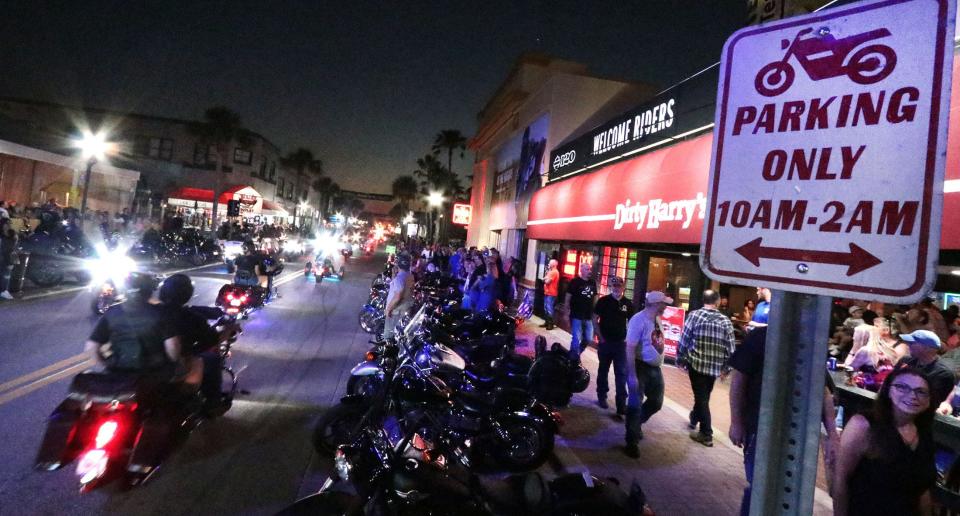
[[404, 190], [219, 128], [450, 140], [303, 161], [326, 189]]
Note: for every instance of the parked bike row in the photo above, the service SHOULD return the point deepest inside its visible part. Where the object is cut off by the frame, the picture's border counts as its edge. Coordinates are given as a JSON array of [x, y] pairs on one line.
[[432, 412]]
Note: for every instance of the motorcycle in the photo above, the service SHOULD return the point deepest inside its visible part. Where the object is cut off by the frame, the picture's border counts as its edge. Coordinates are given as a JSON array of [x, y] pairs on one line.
[[109, 273], [56, 254], [118, 425], [822, 56], [325, 269], [506, 425], [385, 468]]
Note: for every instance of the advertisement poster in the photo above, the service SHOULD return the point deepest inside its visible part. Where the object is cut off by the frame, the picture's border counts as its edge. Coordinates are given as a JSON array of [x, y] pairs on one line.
[[671, 324]]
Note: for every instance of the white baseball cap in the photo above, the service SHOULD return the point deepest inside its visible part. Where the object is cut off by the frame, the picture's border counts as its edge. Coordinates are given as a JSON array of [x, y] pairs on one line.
[[658, 297]]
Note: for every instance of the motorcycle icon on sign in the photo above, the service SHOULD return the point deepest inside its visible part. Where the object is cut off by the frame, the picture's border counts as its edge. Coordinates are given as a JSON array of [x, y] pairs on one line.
[[825, 57]]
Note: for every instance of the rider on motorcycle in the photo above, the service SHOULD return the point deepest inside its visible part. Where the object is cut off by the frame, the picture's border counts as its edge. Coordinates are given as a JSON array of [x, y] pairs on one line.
[[198, 338], [248, 267], [136, 337]]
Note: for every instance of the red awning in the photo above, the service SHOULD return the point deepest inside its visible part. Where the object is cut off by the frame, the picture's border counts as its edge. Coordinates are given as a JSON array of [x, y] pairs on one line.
[[204, 195], [273, 207], [656, 197]]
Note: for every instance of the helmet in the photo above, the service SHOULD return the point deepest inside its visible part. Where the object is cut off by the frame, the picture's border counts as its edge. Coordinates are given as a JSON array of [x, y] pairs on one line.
[[403, 261], [176, 290], [142, 284]]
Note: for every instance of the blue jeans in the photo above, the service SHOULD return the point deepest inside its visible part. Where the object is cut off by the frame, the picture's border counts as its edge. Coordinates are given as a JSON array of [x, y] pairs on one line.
[[613, 353], [646, 401], [548, 303], [582, 330], [749, 455]]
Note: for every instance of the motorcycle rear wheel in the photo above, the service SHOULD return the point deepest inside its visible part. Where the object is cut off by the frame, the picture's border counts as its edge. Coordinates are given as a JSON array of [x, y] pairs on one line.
[[335, 427], [526, 446], [44, 273], [366, 386], [371, 322]]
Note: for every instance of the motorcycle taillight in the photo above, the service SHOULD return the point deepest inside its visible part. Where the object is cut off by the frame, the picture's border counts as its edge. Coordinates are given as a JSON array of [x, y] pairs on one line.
[[107, 431]]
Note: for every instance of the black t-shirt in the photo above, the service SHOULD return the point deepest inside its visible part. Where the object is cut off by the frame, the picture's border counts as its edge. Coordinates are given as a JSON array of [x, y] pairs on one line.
[[247, 262], [939, 375], [197, 335], [136, 332], [581, 297], [614, 315], [748, 359]]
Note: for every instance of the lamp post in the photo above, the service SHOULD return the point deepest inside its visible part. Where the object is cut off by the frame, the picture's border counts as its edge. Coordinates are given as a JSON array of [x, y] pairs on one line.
[[435, 200], [93, 147]]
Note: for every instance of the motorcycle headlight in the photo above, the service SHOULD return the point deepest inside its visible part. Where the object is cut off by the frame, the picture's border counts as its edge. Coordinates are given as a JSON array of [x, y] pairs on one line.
[[342, 464]]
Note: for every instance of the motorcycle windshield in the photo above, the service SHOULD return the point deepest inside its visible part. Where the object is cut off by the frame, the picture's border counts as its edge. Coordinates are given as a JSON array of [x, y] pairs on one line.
[[416, 322]]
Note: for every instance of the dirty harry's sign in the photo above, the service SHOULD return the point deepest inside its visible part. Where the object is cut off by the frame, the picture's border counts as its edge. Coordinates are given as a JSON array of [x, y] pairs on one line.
[[642, 126], [829, 149]]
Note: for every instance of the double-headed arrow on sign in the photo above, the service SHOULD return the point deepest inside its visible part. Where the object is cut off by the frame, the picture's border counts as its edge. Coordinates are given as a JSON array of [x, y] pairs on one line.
[[857, 259]]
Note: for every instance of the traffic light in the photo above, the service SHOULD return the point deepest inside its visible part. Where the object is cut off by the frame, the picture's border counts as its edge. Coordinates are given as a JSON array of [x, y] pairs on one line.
[[233, 208]]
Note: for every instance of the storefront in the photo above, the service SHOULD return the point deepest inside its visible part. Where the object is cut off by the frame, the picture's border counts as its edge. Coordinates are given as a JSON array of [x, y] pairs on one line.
[[196, 204], [639, 219], [630, 198]]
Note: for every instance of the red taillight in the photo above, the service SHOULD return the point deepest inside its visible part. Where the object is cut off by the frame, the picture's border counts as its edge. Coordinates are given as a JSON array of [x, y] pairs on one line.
[[243, 298], [230, 296], [371, 356], [233, 310], [106, 433]]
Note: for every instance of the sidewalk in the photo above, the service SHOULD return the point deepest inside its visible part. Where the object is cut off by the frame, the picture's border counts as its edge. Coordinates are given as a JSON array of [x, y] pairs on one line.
[[678, 475]]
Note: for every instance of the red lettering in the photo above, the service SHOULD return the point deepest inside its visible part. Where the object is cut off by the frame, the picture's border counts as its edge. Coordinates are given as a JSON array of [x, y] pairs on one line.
[[791, 115], [903, 113], [745, 114], [799, 163], [774, 165]]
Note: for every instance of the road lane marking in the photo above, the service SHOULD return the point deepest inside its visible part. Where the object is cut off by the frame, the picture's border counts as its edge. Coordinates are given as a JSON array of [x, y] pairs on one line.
[[85, 287], [44, 381], [40, 372]]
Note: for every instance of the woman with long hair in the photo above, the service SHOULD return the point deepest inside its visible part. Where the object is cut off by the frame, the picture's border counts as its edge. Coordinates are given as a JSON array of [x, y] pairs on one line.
[[886, 460]]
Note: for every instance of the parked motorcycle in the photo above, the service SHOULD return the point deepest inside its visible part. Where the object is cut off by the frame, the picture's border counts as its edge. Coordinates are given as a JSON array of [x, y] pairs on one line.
[[507, 425], [122, 425], [387, 467]]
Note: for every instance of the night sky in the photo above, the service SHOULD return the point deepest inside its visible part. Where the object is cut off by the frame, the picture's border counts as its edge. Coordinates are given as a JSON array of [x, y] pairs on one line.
[[366, 85]]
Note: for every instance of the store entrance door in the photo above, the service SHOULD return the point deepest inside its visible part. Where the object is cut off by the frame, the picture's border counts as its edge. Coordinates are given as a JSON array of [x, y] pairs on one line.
[[677, 277]]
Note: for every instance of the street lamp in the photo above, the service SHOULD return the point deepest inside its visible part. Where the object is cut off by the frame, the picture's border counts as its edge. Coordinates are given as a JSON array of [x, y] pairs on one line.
[[93, 147], [435, 200]]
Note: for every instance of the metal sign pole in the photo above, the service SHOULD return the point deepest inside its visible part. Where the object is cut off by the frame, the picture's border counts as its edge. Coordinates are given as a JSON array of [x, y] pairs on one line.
[[788, 441]]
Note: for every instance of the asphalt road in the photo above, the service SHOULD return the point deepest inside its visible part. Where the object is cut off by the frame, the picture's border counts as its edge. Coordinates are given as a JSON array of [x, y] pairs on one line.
[[295, 356]]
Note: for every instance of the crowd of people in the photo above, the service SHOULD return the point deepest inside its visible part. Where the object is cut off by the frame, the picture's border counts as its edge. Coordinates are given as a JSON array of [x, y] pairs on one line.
[[891, 441]]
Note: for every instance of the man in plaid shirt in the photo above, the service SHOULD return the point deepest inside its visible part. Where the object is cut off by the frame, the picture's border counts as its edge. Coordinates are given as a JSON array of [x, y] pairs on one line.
[[705, 345]]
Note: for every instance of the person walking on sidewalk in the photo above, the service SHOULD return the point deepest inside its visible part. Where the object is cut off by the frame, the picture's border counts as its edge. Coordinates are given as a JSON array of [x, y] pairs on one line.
[[550, 282], [705, 345], [8, 246], [581, 297], [611, 315], [644, 357]]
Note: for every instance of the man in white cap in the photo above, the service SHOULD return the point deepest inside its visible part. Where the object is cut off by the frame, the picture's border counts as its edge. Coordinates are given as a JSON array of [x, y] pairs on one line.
[[924, 356], [644, 358]]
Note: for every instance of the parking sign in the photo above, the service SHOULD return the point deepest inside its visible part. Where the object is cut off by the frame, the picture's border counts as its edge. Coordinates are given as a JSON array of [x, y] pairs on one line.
[[829, 150]]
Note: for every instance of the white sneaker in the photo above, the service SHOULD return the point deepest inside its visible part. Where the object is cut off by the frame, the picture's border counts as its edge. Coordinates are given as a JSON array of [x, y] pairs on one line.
[[6, 295]]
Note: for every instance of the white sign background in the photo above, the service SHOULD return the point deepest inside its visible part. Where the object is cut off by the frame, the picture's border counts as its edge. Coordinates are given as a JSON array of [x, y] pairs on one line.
[[894, 165]]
